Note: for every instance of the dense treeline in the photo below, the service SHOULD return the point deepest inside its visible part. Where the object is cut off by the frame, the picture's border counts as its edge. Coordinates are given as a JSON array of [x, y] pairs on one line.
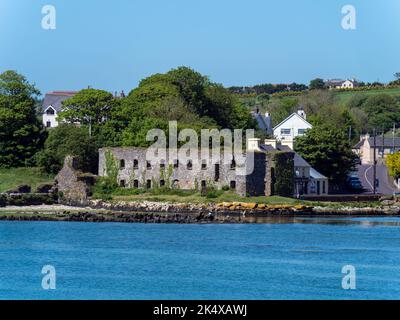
[[188, 97], [268, 88], [181, 94]]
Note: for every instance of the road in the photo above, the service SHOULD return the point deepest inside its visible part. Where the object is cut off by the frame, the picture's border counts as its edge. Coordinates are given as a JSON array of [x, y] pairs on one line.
[[366, 173]]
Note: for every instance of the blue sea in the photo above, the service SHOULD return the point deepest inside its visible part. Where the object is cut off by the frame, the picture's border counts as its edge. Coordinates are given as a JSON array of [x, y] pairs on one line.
[[280, 259]]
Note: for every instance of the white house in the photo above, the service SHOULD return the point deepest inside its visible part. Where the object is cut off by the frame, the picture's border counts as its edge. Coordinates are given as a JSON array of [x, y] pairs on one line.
[[341, 84], [293, 126], [52, 105]]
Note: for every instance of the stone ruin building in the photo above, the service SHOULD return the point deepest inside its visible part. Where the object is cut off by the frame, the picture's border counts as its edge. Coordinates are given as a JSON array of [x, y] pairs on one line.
[[136, 170]]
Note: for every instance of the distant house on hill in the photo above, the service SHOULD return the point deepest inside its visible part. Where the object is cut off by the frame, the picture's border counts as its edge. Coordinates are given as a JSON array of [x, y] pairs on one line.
[[52, 105], [341, 84]]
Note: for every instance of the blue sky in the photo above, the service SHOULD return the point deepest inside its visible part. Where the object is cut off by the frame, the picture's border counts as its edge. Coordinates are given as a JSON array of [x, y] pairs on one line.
[[114, 44]]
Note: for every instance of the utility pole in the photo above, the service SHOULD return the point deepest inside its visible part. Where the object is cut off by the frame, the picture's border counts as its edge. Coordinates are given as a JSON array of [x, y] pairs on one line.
[[90, 126], [374, 177], [349, 133]]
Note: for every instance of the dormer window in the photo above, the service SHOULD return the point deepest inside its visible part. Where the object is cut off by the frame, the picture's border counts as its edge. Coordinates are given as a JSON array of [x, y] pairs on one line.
[[50, 111]]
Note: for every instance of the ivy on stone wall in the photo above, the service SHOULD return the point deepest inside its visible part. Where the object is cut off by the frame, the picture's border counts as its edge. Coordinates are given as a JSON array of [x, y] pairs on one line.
[[284, 174]]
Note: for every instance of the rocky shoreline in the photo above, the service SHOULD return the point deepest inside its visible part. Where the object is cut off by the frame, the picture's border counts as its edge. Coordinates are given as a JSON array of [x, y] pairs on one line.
[[162, 212]]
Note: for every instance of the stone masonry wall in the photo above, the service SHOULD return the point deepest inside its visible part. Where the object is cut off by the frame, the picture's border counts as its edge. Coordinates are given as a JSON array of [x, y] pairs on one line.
[[134, 171], [73, 184]]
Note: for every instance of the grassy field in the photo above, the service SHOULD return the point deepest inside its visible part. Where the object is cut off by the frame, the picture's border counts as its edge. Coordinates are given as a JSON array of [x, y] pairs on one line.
[[344, 96], [11, 178]]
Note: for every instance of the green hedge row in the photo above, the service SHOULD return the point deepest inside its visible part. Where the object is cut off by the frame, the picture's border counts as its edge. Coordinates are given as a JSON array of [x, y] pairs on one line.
[[27, 199]]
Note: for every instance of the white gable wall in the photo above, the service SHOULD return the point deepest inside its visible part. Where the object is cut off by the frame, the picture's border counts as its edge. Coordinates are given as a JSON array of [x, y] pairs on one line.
[[49, 118], [292, 127]]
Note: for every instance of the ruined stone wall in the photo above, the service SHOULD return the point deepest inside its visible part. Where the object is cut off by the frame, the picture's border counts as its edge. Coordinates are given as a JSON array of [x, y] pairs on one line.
[[72, 184], [134, 171]]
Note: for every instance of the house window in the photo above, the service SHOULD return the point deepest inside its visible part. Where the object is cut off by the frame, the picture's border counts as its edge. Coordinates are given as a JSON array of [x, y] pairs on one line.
[[301, 131], [148, 184], [189, 165], [122, 184], [176, 164], [135, 164], [136, 184], [48, 124], [285, 132], [162, 164], [122, 164], [162, 183], [203, 165], [50, 111], [233, 184], [148, 165], [203, 183]]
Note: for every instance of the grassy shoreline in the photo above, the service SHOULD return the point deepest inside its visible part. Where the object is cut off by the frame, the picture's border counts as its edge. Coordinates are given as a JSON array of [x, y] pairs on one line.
[[13, 177]]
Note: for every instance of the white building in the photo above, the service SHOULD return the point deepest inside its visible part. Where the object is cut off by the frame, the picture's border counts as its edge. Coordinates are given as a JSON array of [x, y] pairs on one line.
[[293, 126], [341, 84], [52, 105]]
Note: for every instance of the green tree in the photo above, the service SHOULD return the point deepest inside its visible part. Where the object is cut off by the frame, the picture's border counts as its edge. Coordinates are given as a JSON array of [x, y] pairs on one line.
[[68, 139], [317, 84], [21, 132], [88, 106], [327, 149], [382, 110], [393, 164]]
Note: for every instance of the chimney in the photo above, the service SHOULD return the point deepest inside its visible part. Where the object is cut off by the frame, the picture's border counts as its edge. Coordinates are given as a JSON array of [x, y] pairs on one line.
[[253, 144], [268, 122], [301, 113], [270, 142], [289, 143], [122, 94]]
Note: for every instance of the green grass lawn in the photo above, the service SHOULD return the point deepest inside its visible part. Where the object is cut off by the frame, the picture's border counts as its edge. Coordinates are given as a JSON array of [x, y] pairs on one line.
[[11, 178], [188, 196], [194, 197], [344, 96]]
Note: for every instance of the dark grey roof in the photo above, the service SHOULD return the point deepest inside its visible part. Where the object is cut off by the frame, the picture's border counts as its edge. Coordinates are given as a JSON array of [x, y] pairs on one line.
[[388, 141], [267, 148], [298, 160], [260, 121], [359, 144], [55, 99]]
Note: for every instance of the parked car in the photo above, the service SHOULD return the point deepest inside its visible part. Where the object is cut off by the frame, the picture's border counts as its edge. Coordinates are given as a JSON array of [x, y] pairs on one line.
[[353, 181]]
